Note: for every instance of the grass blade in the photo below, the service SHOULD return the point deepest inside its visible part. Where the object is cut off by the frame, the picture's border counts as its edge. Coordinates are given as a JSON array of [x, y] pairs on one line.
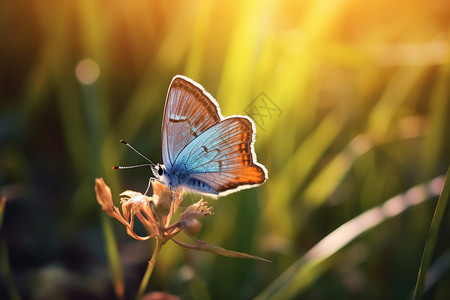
[[302, 273], [5, 268], [113, 257], [432, 237]]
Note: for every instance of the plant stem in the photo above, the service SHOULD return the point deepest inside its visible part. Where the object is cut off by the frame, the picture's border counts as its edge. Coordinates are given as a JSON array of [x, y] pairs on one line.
[[149, 270]]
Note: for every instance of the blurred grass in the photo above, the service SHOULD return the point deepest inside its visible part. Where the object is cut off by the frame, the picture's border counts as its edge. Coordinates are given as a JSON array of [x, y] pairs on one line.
[[5, 269], [315, 262], [364, 92]]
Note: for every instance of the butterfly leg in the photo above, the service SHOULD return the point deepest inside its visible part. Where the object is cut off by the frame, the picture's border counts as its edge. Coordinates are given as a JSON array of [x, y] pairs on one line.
[[173, 201], [149, 184]]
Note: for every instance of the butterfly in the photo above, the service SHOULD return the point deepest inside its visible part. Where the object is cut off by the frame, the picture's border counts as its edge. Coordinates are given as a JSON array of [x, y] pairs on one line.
[[203, 151]]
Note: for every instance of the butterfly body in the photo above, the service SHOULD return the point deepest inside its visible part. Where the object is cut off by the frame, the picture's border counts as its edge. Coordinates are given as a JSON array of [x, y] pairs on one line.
[[179, 180], [203, 151]]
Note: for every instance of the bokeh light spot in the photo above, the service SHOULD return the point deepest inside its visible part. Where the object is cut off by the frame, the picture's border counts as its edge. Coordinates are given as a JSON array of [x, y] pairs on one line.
[[87, 71]]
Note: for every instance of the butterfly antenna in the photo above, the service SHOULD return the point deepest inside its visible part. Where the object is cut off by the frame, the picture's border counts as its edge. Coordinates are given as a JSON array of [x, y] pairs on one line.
[[130, 167], [132, 148]]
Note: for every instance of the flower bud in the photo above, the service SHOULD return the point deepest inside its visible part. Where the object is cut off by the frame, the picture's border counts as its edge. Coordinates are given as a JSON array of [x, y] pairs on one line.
[[191, 226]]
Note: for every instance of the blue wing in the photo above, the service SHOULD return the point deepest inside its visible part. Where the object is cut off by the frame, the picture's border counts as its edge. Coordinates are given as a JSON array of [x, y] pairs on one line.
[[188, 112], [223, 157]]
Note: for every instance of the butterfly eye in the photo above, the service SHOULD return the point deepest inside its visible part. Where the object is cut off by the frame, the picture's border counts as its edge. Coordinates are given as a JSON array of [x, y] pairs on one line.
[[160, 171]]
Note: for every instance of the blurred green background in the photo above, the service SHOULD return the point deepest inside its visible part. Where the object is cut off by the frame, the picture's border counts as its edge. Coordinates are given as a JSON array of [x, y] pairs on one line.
[[351, 101]]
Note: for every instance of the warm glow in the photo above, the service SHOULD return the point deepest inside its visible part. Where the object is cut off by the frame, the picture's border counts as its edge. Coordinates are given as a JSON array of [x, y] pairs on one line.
[[87, 71]]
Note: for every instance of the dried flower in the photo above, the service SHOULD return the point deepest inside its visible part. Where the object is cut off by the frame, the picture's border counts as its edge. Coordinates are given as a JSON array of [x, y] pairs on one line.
[[196, 210], [130, 207], [155, 212]]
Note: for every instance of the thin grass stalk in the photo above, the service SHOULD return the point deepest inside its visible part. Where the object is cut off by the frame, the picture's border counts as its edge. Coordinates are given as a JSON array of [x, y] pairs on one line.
[[113, 257], [4, 258], [92, 111], [13, 292], [432, 237]]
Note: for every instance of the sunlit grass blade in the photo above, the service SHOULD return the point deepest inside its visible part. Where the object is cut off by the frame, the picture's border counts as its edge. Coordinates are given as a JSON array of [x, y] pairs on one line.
[[432, 237], [308, 155], [303, 273], [395, 94], [433, 144], [113, 257]]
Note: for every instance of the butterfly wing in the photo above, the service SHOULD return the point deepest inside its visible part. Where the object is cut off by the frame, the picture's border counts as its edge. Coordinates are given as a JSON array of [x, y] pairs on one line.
[[223, 157], [188, 112]]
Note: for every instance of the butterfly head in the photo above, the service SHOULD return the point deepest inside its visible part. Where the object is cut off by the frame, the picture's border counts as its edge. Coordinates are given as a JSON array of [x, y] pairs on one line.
[[160, 172]]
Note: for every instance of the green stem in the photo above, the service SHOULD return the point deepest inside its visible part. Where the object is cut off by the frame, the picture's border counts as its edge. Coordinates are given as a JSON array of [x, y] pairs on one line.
[[149, 270]]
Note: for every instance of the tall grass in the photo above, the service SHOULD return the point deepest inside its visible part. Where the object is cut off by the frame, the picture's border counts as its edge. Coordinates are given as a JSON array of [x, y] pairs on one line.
[[432, 238], [363, 98]]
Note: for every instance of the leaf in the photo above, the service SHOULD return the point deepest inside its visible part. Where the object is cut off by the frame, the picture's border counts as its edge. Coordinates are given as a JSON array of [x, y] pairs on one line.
[[205, 246]]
